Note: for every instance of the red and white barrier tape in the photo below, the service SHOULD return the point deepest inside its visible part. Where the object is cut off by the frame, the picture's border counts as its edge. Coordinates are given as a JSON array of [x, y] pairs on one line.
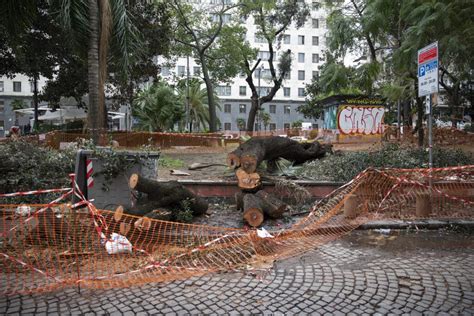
[[34, 192]]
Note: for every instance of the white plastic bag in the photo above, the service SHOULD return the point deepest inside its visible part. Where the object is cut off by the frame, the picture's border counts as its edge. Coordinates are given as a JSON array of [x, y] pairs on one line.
[[263, 233], [118, 244]]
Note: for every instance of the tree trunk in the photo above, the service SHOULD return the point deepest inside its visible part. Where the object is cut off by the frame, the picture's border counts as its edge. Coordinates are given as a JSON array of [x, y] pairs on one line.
[[249, 182], [210, 95], [273, 207], [250, 154], [35, 99], [170, 194], [93, 71], [253, 113], [239, 200], [253, 210]]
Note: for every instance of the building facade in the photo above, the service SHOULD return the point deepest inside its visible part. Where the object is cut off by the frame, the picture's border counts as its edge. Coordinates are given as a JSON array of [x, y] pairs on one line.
[[307, 45], [18, 89]]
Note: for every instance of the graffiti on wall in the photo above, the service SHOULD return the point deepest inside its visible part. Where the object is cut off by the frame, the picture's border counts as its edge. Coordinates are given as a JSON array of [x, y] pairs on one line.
[[365, 120]]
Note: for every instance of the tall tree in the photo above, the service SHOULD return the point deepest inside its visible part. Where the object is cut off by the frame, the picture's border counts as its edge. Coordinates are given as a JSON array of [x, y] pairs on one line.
[[272, 19], [195, 97], [198, 30], [31, 46], [99, 23]]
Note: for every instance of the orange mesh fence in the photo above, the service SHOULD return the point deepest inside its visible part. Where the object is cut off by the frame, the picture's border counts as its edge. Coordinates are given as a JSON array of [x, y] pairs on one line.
[[44, 248]]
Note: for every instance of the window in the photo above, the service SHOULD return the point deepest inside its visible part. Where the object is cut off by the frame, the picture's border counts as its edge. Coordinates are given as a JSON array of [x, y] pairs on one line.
[[286, 109], [227, 108], [165, 71], [300, 39], [301, 57], [242, 90], [242, 74], [241, 124], [181, 71], [286, 39], [300, 74], [225, 18], [315, 23], [286, 126], [315, 5], [242, 108], [263, 73], [263, 91], [286, 92], [272, 108], [1, 86], [315, 126], [315, 74], [287, 75], [197, 70], [301, 92], [315, 40], [223, 90], [16, 86], [263, 55], [2, 107], [32, 86], [315, 58], [227, 126], [273, 126]]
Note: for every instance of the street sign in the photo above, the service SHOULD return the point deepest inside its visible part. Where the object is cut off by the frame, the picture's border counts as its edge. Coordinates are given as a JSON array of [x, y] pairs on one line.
[[428, 70]]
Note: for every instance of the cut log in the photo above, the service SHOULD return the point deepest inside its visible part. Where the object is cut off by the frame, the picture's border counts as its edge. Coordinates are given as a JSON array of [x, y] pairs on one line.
[[233, 160], [160, 214], [118, 214], [273, 207], [248, 181], [239, 200], [171, 194], [253, 210], [257, 149], [125, 228], [143, 223]]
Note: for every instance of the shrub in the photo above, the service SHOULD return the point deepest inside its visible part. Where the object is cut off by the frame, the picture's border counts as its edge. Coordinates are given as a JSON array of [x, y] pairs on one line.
[[344, 167], [25, 166]]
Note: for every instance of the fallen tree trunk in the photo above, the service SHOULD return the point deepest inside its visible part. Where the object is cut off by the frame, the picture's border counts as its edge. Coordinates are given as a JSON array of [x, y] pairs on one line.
[[168, 194], [272, 206], [253, 210], [250, 154], [248, 181]]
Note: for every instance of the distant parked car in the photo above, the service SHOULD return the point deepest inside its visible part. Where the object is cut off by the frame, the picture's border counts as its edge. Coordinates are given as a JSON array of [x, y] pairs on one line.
[[299, 138]]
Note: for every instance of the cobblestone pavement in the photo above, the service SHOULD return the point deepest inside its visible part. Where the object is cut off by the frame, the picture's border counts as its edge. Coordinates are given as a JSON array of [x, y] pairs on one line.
[[365, 272]]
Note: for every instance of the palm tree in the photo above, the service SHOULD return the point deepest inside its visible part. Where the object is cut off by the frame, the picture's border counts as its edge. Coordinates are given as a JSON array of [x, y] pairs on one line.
[[198, 103], [240, 124], [157, 108], [99, 23], [266, 118]]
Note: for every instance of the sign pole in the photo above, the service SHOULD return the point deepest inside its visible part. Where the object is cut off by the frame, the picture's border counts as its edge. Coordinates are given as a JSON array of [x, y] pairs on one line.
[[430, 132]]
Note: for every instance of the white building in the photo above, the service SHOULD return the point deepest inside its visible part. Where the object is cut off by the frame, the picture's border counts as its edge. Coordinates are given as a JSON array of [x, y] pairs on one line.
[[307, 45], [17, 88]]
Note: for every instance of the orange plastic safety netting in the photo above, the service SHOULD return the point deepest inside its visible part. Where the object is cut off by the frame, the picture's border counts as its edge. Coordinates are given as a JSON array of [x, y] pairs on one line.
[[47, 247]]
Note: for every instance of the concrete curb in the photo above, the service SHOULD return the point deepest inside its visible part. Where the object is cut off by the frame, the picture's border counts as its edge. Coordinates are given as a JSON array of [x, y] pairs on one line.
[[418, 224]]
